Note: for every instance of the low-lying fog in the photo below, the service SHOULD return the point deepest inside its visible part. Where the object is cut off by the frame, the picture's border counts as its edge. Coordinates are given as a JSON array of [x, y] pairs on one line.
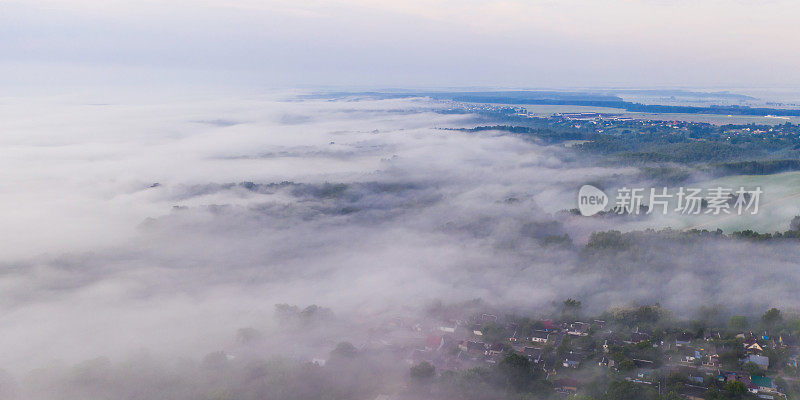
[[163, 226]]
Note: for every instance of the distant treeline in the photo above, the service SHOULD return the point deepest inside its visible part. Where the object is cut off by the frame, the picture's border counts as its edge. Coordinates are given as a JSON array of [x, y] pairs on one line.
[[658, 151], [582, 99], [719, 156], [765, 167]]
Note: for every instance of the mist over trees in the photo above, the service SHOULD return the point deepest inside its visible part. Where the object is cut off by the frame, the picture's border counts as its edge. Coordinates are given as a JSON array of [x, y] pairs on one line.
[[273, 249]]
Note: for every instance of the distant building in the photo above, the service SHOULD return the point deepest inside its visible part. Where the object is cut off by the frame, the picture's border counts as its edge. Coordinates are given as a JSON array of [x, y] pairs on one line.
[[578, 329], [566, 385], [540, 336], [762, 382], [533, 354], [638, 337], [683, 339], [472, 346], [496, 349], [573, 360], [761, 361]]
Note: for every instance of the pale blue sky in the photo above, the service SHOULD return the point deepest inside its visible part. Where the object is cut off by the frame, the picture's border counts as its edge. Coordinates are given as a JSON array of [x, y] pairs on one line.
[[545, 43]]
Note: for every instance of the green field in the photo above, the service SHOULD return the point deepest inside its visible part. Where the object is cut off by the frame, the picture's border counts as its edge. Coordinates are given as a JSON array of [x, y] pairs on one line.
[[546, 111], [778, 204]]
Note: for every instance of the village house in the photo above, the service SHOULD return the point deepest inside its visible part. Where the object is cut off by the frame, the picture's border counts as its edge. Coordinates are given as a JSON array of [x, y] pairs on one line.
[[609, 363], [449, 328], [638, 337], [762, 383], [434, 342], [751, 345], [578, 329], [711, 361], [496, 349], [566, 385], [573, 360], [533, 354], [683, 339], [538, 336], [761, 361], [471, 346]]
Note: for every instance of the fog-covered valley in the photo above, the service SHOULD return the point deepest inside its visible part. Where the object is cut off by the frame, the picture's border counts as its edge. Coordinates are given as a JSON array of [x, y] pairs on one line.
[[147, 240]]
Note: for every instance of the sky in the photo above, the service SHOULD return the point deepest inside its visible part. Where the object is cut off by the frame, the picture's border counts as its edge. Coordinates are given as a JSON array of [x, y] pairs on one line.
[[359, 43]]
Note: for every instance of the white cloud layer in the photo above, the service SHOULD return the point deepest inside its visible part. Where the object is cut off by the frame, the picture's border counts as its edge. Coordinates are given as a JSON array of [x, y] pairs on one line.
[[361, 206]]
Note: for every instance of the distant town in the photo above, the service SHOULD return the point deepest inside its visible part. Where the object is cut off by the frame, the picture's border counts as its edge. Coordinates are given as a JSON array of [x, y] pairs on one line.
[[675, 146]]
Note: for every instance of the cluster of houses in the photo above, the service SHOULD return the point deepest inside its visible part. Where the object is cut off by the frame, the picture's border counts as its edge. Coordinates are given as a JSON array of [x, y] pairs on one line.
[[464, 344], [560, 349]]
